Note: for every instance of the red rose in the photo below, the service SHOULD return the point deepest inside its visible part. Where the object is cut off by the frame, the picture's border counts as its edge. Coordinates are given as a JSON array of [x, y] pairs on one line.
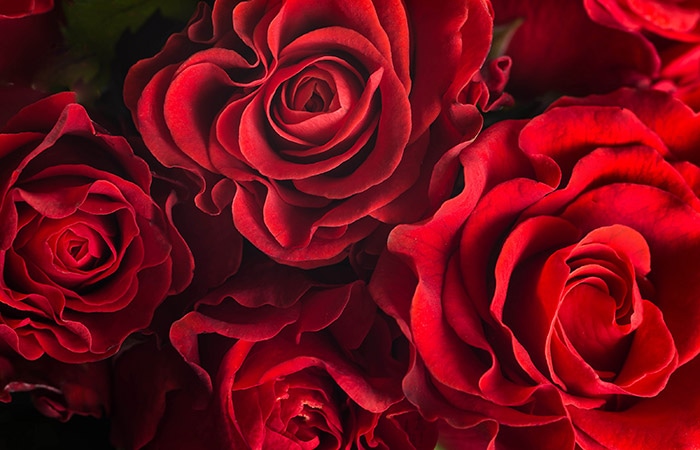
[[554, 300], [86, 255], [286, 362], [314, 120], [556, 48], [677, 20]]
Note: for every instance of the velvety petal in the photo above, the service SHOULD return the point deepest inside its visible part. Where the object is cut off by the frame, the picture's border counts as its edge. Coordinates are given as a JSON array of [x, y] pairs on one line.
[[676, 132], [672, 279], [454, 36], [666, 420]]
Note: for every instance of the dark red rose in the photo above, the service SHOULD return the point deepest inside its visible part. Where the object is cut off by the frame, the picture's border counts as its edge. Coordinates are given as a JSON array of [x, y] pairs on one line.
[[29, 31], [315, 121], [86, 255], [553, 302], [558, 49], [282, 362], [677, 20]]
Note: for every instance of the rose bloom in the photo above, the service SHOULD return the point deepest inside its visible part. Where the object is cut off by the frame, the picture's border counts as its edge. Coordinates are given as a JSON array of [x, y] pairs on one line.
[[272, 359], [553, 303], [86, 255], [313, 122]]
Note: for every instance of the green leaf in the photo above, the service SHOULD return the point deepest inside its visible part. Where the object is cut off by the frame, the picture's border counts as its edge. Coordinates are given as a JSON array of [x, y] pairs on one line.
[[502, 35], [97, 25], [92, 30]]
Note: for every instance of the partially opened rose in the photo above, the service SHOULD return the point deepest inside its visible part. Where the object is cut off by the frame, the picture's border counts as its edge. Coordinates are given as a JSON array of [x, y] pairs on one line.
[[283, 362], [86, 255], [553, 303], [312, 121]]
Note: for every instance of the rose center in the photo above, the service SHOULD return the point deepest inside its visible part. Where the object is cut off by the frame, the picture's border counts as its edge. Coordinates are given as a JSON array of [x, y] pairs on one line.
[[82, 251], [315, 103], [72, 252], [313, 95], [597, 306], [77, 248], [306, 410]]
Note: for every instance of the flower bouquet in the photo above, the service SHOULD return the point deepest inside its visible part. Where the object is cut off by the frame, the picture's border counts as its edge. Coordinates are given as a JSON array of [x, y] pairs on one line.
[[349, 224]]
